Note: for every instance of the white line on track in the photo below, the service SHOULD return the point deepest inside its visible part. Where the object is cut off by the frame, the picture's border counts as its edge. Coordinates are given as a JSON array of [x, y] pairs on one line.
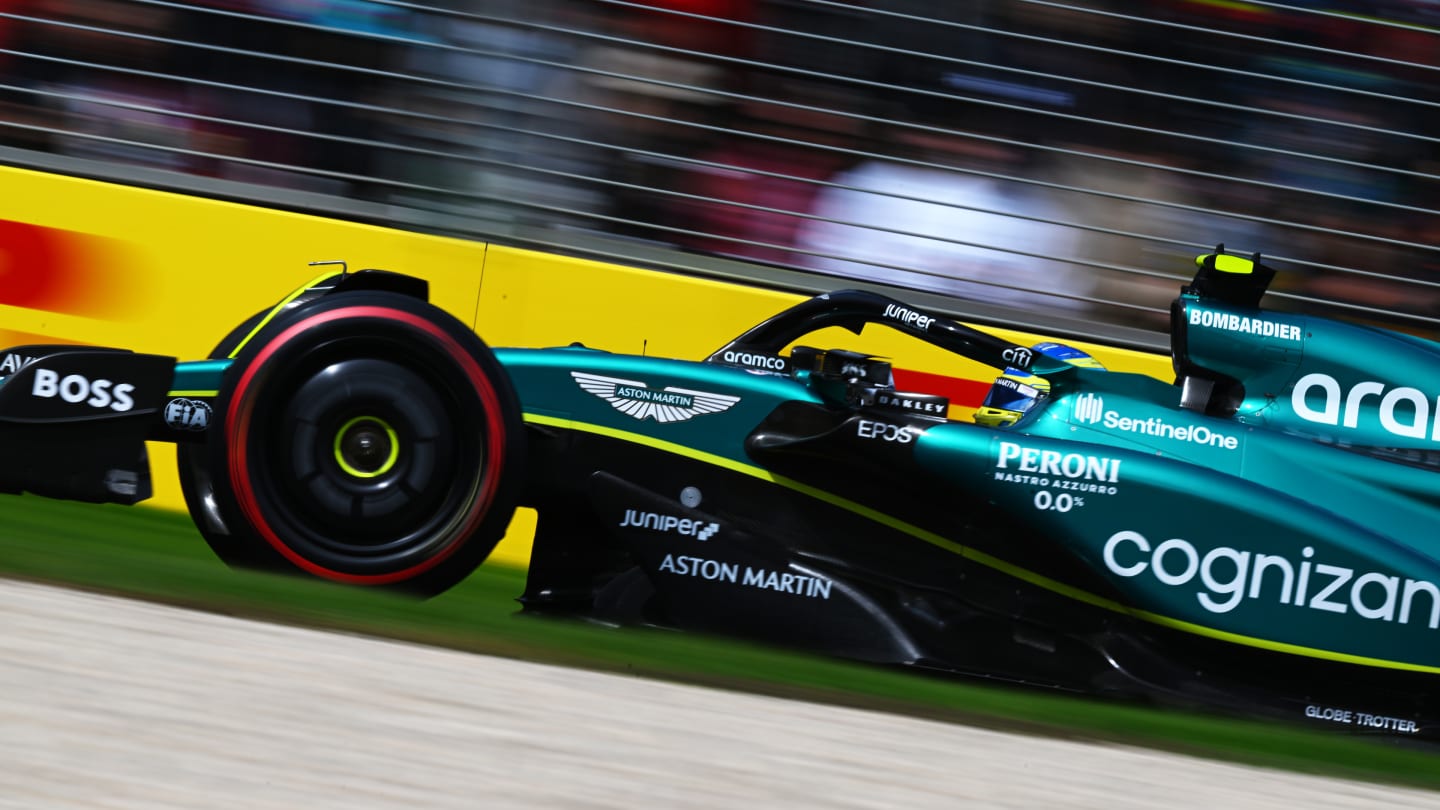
[[111, 703]]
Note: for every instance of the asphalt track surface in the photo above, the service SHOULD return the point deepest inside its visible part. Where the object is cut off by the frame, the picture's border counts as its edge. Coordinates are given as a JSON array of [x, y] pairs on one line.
[[111, 703]]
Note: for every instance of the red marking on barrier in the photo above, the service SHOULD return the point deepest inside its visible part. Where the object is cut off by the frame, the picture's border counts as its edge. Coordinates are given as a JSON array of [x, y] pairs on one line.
[[58, 270], [963, 392]]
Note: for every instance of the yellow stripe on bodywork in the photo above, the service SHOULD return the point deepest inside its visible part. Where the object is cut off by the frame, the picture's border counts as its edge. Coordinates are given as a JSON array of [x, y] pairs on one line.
[[995, 563], [275, 310]]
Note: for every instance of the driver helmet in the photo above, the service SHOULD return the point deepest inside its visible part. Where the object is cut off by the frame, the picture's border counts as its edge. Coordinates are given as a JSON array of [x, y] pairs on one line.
[[1015, 392]]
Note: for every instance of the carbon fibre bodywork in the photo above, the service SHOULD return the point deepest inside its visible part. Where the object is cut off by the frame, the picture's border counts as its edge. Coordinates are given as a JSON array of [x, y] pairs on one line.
[[1253, 537]]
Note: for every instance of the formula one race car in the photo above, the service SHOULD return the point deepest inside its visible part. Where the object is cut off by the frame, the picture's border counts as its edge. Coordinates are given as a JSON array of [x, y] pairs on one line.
[[1251, 537]]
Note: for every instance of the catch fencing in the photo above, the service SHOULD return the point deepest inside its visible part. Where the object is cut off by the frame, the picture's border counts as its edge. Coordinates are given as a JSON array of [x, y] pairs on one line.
[[1054, 164]]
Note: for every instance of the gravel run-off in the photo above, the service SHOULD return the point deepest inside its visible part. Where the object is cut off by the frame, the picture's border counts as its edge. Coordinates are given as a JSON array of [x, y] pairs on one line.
[[112, 703]]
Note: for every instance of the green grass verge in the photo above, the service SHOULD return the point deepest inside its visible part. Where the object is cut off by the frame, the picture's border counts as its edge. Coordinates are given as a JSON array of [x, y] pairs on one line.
[[158, 555]]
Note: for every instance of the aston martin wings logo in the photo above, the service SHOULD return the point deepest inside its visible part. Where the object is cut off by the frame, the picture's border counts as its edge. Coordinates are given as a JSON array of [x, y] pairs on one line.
[[634, 398]]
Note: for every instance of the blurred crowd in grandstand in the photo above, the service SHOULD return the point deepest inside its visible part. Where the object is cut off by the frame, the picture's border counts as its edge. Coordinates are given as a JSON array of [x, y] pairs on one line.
[[958, 147]]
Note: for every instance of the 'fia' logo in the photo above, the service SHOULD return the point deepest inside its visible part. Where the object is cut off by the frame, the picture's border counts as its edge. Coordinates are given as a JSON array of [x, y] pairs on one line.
[[636, 399], [183, 413]]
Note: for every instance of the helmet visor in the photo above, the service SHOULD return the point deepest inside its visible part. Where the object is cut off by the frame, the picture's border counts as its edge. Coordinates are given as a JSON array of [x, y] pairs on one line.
[[1012, 395]]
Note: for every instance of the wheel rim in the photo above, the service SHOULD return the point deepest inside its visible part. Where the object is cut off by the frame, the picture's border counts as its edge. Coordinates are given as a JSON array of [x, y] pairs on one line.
[[368, 466], [366, 447]]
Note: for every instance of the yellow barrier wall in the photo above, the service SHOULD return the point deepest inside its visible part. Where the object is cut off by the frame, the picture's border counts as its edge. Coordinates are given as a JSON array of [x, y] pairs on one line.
[[89, 262], [537, 299]]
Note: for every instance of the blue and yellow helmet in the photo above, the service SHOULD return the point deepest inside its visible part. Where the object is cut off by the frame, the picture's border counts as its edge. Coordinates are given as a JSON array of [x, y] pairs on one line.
[[1015, 392]]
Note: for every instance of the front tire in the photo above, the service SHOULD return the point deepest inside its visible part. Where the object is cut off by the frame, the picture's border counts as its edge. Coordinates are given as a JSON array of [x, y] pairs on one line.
[[366, 438]]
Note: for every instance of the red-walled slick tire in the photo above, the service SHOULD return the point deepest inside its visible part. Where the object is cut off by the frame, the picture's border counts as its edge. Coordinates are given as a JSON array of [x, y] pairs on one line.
[[366, 438]]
